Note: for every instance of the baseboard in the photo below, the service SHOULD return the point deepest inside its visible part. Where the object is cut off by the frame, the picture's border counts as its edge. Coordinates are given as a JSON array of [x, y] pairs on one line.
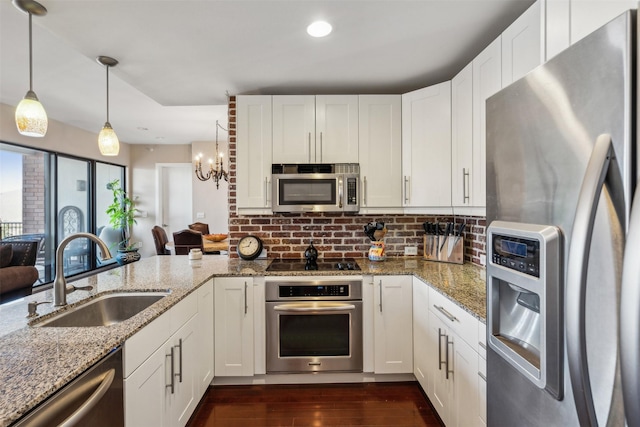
[[315, 378]]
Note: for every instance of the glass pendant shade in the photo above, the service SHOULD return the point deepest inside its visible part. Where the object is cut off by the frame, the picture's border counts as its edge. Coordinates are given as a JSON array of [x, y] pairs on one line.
[[108, 141], [31, 119]]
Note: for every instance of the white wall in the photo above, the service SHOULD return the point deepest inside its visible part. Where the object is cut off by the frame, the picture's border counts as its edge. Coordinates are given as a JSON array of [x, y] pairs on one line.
[[143, 177], [211, 202]]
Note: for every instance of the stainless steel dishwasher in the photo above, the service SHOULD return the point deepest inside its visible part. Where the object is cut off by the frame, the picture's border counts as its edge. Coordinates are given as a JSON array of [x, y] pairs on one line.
[[93, 399]]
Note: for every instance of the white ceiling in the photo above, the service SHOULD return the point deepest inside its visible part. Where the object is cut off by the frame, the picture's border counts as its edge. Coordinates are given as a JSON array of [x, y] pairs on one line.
[[179, 58]]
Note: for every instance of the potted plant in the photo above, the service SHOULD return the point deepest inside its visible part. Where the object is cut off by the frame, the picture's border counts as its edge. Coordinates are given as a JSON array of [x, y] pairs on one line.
[[122, 217]]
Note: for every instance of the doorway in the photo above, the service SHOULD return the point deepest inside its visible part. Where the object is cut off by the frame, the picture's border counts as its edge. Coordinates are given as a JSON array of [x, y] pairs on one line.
[[174, 196]]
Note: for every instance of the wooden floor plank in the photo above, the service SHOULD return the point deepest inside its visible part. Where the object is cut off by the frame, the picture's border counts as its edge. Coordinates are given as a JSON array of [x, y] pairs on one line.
[[316, 405]]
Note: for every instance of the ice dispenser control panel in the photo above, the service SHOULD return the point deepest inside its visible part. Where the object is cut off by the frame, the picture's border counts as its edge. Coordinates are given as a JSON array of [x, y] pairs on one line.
[[516, 253]]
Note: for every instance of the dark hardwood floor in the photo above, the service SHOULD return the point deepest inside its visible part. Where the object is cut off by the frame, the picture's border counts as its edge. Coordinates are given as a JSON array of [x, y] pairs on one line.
[[361, 404]]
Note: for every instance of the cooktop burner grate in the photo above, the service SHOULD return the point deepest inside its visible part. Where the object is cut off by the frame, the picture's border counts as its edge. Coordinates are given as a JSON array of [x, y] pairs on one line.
[[281, 264]]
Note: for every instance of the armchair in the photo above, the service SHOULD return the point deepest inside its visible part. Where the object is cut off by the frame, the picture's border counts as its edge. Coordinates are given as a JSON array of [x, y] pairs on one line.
[[17, 269]]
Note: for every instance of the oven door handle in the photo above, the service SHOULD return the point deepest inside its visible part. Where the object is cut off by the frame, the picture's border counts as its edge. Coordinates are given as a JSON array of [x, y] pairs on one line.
[[315, 306]]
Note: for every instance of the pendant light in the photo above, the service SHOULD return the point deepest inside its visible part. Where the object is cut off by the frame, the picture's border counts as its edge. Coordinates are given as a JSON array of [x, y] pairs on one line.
[[31, 119], [107, 139]]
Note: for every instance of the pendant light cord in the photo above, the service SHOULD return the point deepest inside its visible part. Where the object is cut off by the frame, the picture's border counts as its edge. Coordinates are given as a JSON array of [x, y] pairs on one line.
[[30, 56], [107, 67]]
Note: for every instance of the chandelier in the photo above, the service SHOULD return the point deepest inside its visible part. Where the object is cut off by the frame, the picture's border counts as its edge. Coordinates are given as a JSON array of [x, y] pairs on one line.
[[216, 173]]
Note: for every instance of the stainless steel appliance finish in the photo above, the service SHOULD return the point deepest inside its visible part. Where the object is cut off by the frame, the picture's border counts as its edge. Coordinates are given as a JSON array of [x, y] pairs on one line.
[[562, 151], [316, 188], [94, 399], [314, 326], [525, 289]]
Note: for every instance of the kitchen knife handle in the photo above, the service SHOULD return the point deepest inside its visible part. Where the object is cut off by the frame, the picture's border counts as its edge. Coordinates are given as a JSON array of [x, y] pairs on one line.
[[630, 317], [577, 266], [406, 189], [465, 186]]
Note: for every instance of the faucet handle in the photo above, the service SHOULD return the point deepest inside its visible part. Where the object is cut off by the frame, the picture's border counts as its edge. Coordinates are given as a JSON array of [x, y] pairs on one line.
[[32, 307], [73, 288]]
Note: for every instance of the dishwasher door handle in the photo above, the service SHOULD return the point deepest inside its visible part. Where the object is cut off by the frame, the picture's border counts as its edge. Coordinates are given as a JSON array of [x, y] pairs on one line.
[[92, 401]]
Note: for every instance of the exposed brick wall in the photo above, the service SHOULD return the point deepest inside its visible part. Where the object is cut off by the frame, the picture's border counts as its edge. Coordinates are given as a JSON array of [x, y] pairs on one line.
[[335, 235], [33, 190]]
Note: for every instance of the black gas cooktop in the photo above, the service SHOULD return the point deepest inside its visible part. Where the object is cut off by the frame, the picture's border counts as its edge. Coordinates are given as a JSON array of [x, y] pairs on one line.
[[281, 264]]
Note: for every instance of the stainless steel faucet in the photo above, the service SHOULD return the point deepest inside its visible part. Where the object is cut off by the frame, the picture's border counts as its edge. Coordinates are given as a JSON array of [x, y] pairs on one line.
[[59, 282]]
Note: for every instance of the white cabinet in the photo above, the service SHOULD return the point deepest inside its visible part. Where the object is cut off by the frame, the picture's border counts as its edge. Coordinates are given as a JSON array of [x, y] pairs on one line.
[[453, 376], [315, 129], [336, 129], [253, 154], [205, 338], [426, 149], [393, 325], [380, 153], [162, 369], [589, 15], [421, 350], [487, 80], [523, 44], [462, 138], [234, 340]]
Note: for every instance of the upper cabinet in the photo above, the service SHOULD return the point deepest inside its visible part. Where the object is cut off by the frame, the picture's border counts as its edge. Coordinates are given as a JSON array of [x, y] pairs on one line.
[[380, 151], [426, 149], [336, 129], [253, 154], [487, 80], [315, 129], [462, 138], [523, 44]]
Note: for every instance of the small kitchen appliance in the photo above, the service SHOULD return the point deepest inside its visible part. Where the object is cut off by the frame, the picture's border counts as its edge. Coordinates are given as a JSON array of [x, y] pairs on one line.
[[316, 187]]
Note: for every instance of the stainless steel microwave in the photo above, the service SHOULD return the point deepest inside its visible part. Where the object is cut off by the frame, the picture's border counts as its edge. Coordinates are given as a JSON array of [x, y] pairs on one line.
[[316, 187]]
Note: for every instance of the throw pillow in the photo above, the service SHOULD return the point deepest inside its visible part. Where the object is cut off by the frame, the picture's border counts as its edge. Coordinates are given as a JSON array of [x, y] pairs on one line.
[[6, 253]]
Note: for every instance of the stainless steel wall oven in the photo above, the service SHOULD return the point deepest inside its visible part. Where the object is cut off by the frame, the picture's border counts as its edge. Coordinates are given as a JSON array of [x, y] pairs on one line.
[[314, 325]]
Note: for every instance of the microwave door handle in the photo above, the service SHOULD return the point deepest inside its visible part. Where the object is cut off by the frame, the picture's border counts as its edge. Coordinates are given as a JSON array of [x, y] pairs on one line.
[[630, 317], [577, 263], [340, 192]]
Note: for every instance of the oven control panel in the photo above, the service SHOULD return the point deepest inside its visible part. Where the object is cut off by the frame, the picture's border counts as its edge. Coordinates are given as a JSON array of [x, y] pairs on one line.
[[313, 290], [297, 291]]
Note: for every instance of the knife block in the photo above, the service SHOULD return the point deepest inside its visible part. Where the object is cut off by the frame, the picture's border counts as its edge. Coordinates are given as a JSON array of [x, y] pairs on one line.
[[445, 249]]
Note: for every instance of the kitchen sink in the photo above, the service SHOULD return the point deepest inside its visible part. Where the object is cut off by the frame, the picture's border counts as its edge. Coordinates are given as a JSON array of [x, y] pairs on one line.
[[105, 310]]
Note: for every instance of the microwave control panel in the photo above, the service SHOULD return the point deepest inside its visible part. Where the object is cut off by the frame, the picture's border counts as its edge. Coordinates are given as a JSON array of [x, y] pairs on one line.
[[352, 192]]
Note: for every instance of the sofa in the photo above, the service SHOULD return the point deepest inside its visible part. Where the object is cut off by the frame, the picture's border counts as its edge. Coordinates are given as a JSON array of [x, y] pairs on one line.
[[17, 269]]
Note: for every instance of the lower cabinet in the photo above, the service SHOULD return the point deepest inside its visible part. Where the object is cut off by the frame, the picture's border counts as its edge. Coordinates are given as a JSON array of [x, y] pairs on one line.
[[205, 338], [421, 350], [164, 389], [234, 326], [393, 325], [453, 382]]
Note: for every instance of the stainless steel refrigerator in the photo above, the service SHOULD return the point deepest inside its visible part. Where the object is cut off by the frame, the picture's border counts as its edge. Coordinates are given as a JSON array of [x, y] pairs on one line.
[[563, 245]]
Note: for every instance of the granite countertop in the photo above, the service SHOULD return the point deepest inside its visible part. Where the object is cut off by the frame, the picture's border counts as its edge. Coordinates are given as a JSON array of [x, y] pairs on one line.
[[36, 362]]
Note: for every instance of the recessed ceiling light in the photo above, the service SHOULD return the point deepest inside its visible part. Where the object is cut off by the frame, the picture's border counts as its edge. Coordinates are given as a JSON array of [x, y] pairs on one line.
[[319, 29]]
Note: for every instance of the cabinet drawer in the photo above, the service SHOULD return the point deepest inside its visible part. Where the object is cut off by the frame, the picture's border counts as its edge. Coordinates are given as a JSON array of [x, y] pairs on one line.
[[455, 317], [183, 311]]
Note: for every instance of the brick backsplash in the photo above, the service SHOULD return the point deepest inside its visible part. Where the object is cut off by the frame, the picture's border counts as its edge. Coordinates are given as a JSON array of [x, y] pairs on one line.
[[335, 235]]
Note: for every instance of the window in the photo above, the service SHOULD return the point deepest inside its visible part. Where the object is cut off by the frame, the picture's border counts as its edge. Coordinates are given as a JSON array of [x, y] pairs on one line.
[[46, 196]]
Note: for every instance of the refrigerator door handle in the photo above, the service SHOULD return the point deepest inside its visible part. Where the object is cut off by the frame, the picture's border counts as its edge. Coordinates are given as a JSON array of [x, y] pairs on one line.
[[630, 317], [577, 265]]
